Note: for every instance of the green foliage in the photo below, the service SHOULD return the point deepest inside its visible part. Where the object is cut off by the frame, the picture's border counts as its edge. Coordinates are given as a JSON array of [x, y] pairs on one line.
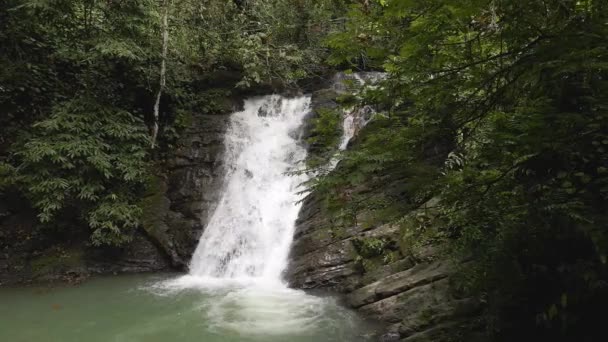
[[420, 228], [88, 157], [270, 41], [6, 172], [73, 136], [324, 136], [78, 81], [282, 39], [499, 108], [373, 252], [370, 247]]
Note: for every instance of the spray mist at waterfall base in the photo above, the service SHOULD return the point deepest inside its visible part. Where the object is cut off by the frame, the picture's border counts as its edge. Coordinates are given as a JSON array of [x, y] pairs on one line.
[[140, 308], [258, 311]]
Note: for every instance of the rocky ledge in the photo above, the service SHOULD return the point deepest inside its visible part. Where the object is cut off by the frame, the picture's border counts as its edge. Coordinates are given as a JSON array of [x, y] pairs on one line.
[[410, 294]]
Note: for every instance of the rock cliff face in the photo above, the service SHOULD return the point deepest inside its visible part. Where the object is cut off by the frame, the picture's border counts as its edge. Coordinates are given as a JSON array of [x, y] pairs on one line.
[[181, 198], [409, 292]]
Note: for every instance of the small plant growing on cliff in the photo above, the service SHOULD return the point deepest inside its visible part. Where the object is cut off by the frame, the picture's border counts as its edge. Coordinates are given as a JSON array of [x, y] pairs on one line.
[[373, 251], [420, 228], [324, 136], [370, 247]]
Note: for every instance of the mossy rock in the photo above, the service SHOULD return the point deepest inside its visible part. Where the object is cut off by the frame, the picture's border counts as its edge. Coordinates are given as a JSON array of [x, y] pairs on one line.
[[325, 98], [155, 206], [56, 262], [213, 101], [420, 228]]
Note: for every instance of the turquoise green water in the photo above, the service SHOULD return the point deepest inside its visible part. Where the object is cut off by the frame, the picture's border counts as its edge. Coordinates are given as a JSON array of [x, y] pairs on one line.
[[148, 308]]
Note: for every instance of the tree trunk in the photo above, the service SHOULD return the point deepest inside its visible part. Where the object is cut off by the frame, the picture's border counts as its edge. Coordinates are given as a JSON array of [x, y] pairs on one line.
[[163, 71]]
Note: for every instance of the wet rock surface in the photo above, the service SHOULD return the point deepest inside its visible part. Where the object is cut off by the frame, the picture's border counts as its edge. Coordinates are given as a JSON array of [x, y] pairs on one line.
[[411, 293], [181, 199]]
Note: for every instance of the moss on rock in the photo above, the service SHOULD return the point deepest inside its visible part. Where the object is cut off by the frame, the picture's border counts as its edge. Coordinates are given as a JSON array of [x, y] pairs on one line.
[[57, 262]]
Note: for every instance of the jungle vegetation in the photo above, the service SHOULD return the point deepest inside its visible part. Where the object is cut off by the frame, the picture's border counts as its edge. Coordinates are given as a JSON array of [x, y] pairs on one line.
[[497, 108], [87, 88]]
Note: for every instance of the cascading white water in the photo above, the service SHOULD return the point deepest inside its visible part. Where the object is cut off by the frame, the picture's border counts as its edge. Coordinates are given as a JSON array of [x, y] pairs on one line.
[[354, 119], [245, 246], [249, 234]]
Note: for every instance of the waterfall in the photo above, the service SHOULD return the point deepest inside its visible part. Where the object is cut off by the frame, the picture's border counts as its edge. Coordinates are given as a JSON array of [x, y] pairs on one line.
[[249, 234], [354, 119], [244, 249]]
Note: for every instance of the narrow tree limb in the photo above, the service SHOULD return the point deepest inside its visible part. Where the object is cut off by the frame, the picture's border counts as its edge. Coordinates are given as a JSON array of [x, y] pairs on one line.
[[163, 71]]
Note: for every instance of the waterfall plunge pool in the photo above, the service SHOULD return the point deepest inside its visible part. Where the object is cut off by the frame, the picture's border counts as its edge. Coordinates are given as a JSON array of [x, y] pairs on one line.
[[155, 308]]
